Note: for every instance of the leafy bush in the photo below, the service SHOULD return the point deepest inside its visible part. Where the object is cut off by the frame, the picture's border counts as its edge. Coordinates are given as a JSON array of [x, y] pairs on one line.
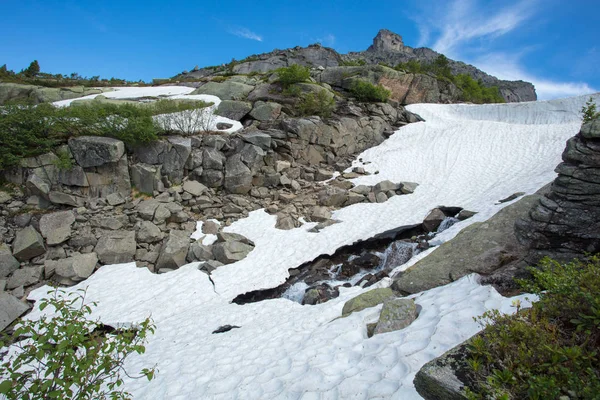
[[353, 63], [27, 131], [293, 74], [548, 351], [321, 104], [68, 356], [63, 161], [589, 112], [367, 92], [412, 66], [475, 92]]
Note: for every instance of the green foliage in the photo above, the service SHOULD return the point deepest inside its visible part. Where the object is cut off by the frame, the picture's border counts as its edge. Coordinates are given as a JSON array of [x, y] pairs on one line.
[[589, 111], [27, 131], [412, 66], [367, 92], [548, 351], [64, 161], [475, 92], [321, 104], [293, 74], [353, 63], [441, 68], [68, 356], [32, 70], [292, 91]]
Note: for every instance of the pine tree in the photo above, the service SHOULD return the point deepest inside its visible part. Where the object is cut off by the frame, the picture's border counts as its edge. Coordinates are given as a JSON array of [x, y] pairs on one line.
[[589, 111], [32, 70]]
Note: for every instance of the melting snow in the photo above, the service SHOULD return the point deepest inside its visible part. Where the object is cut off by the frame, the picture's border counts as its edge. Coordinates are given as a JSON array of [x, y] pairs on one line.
[[464, 155]]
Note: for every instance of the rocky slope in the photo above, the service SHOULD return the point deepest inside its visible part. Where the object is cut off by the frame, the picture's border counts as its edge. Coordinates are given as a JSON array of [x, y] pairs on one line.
[[387, 48]]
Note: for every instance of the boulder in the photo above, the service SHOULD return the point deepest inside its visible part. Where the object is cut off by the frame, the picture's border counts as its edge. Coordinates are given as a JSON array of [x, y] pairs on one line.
[[396, 314], [28, 244], [37, 186], [148, 233], [232, 109], [408, 187], [56, 227], [8, 263], [367, 300], [199, 252], [265, 111], [332, 196], [385, 186], [115, 199], [75, 176], [145, 177], [260, 139], [25, 277], [94, 151], [174, 250], [238, 177], [147, 208], [231, 248], [116, 247], [227, 90], [433, 220], [319, 214], [10, 309], [75, 268], [194, 188], [66, 199]]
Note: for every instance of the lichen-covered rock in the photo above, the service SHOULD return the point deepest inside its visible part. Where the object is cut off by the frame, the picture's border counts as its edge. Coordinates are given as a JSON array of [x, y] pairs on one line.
[[367, 300], [396, 314], [94, 151], [265, 111]]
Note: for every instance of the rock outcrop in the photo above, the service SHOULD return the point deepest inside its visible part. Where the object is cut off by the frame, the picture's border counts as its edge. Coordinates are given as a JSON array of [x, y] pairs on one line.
[[565, 223], [32, 94]]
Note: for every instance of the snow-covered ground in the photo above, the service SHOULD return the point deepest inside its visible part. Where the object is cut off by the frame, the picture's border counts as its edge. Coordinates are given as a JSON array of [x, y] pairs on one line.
[[464, 155], [205, 118]]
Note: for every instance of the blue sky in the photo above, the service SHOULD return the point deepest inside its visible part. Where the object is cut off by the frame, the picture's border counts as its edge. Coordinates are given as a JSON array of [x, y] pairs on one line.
[[552, 43]]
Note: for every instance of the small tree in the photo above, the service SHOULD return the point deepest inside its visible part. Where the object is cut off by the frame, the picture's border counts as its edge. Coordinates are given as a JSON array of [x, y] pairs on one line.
[[589, 112], [32, 70], [293, 74], [367, 92], [68, 356]]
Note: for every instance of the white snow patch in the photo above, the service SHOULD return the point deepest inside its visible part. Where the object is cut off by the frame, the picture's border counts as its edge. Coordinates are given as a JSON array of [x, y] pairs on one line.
[[462, 156]]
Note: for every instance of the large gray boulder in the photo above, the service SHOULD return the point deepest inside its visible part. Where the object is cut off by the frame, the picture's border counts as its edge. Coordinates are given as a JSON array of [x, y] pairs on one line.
[[227, 90], [333, 196], [238, 177], [28, 244], [174, 250], [194, 188], [94, 151], [116, 247], [148, 233], [10, 309], [396, 314], [25, 277], [232, 109], [482, 247], [8, 263], [75, 176], [367, 300], [65, 199], [56, 227], [74, 269], [265, 111], [145, 177], [258, 138], [231, 251]]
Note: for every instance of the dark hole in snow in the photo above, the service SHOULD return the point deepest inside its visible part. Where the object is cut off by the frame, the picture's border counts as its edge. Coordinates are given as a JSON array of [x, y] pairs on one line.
[[225, 328]]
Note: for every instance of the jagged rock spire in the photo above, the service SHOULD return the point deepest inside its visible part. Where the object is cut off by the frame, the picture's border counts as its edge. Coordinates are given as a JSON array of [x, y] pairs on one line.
[[387, 41]]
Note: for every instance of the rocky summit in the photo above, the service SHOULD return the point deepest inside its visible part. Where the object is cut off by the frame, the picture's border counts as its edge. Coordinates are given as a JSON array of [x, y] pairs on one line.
[[388, 49]]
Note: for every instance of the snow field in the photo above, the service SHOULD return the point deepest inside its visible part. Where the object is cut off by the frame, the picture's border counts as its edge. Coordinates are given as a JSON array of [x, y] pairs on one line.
[[461, 156]]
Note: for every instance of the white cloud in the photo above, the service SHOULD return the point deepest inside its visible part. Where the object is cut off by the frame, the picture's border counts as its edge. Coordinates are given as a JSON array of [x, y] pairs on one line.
[[505, 66], [461, 21], [327, 40], [245, 33]]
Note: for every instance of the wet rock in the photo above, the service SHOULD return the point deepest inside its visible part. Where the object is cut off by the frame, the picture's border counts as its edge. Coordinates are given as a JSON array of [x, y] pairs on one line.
[[221, 126], [433, 220], [28, 244], [56, 227], [396, 314], [367, 300], [465, 214], [319, 294]]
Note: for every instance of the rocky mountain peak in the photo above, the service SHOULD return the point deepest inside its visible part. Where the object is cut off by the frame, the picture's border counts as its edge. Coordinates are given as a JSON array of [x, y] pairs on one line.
[[387, 40]]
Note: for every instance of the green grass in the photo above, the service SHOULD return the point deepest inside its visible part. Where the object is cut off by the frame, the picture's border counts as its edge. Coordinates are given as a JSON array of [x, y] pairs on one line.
[[548, 351]]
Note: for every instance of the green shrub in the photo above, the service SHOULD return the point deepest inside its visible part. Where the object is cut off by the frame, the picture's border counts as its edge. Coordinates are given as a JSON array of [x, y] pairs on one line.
[[548, 351], [353, 63], [292, 91], [367, 92], [69, 356], [63, 161], [321, 104], [475, 92], [589, 112], [412, 66], [293, 74]]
